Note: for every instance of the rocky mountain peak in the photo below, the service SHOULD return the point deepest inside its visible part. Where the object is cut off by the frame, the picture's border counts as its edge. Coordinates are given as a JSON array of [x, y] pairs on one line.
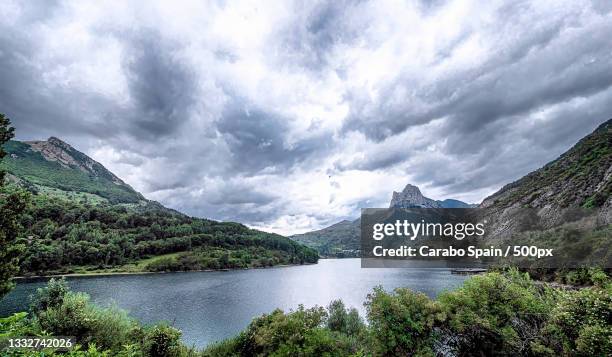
[[55, 149], [58, 142], [411, 197], [412, 190]]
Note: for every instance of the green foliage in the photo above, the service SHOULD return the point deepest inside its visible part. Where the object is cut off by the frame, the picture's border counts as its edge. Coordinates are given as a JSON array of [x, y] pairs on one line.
[[501, 314], [50, 296], [73, 315], [12, 206], [56, 311], [581, 323], [402, 322], [66, 236], [345, 321], [298, 333], [14, 325], [494, 313], [163, 341]]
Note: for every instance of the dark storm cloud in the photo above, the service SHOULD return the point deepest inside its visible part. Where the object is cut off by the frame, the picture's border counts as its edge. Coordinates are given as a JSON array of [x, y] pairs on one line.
[[257, 140], [310, 41], [162, 88], [25, 96], [523, 77], [236, 195], [547, 67]]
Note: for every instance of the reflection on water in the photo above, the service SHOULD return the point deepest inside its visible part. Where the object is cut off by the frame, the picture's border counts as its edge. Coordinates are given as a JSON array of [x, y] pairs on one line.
[[210, 306]]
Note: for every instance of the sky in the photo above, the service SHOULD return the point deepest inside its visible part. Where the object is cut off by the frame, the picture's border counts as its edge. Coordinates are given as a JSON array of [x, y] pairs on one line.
[[289, 116]]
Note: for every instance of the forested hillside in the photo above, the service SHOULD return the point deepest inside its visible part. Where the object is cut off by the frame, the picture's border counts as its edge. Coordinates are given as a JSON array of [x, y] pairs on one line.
[[64, 236], [82, 218]]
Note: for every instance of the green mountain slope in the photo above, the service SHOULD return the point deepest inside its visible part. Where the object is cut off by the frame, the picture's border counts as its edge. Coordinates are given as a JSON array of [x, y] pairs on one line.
[[53, 166], [338, 240], [84, 219]]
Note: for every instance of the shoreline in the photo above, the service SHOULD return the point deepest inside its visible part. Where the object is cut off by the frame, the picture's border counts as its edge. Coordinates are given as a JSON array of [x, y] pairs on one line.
[[120, 273]]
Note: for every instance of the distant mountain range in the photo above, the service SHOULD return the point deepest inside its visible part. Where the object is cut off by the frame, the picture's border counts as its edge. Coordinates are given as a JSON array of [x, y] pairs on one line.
[[579, 178], [342, 239]]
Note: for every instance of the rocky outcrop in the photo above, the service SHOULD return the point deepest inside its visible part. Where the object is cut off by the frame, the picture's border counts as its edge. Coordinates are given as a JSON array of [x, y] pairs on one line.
[[411, 197], [55, 166], [57, 150]]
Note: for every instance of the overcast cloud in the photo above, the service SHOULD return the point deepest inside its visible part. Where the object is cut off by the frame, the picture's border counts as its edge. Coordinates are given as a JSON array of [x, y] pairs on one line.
[[289, 116]]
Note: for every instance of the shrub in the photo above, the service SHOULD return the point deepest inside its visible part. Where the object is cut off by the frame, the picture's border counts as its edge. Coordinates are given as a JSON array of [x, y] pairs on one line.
[[63, 313], [582, 323], [402, 322], [298, 333], [494, 313], [162, 341], [15, 325], [50, 296]]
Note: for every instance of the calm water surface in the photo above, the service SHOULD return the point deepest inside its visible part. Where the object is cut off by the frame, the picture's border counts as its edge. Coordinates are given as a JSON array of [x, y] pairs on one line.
[[210, 306]]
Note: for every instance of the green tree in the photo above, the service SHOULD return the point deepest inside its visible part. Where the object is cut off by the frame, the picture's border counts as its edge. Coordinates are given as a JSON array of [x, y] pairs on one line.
[[344, 320], [12, 206]]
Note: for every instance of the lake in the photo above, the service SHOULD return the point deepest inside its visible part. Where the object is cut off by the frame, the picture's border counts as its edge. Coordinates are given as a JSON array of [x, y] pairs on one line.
[[211, 306]]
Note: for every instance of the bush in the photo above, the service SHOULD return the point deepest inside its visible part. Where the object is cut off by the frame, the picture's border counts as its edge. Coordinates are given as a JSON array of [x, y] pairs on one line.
[[50, 296], [402, 323], [61, 312], [298, 333], [162, 341], [109, 328], [494, 313], [582, 323]]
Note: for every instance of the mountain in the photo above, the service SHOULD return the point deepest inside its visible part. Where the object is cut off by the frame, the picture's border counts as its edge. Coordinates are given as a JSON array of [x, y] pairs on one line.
[[581, 177], [342, 239], [55, 167], [83, 219], [565, 206], [411, 197]]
